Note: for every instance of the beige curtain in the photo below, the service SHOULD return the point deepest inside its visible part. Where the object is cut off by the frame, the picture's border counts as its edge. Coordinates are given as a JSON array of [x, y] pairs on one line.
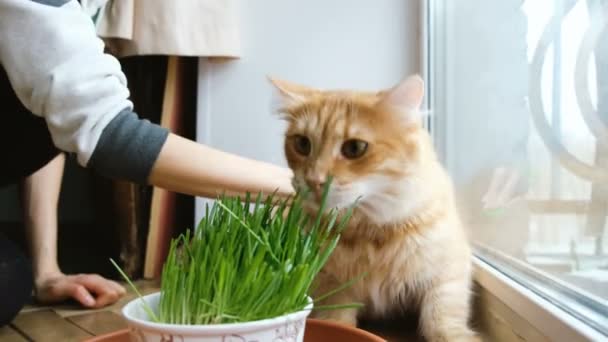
[[170, 27]]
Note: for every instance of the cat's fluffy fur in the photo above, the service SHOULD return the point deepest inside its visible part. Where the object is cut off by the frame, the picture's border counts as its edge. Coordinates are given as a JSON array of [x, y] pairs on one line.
[[405, 232]]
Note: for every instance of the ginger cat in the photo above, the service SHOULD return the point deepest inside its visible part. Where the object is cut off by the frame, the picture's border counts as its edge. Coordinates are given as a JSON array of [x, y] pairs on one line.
[[405, 231]]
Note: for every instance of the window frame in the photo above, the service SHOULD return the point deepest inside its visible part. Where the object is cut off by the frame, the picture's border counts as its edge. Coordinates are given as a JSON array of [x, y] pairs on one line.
[[547, 314], [552, 321]]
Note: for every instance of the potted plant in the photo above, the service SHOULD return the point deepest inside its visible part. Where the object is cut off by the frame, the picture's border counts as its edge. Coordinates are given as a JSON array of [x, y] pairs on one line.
[[245, 274]]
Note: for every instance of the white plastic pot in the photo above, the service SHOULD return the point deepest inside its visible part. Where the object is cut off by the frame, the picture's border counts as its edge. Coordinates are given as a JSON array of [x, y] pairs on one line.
[[287, 328]]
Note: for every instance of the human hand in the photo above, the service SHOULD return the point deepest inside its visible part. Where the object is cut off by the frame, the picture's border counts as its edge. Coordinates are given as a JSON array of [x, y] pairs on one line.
[[90, 290], [503, 189]]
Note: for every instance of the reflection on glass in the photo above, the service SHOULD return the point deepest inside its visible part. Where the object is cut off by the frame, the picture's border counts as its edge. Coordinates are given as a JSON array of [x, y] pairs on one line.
[[526, 116]]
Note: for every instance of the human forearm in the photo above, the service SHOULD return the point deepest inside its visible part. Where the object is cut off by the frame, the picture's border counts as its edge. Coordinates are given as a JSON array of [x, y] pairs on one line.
[[187, 167], [40, 195]]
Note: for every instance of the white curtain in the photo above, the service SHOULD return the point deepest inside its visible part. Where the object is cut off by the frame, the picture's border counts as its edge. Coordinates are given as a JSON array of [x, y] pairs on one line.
[[181, 27]]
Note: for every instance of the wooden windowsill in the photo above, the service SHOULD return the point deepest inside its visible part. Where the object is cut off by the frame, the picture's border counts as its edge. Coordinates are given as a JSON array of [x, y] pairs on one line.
[[507, 311]]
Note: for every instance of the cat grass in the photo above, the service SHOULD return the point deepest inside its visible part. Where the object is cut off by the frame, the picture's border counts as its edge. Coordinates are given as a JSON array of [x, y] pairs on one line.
[[248, 260]]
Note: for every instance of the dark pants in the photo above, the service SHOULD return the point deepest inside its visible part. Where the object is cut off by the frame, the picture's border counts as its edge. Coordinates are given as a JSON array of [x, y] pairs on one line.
[[25, 147], [16, 280]]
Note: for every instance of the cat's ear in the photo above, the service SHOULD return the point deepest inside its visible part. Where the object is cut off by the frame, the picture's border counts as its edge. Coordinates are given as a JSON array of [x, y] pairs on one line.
[[288, 94], [406, 97]]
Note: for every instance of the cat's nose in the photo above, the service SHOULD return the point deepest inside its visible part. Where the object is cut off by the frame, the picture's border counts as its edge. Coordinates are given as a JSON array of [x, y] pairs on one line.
[[316, 184]]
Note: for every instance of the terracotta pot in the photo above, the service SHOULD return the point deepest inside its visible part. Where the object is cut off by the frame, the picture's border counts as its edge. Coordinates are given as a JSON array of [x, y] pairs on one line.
[[326, 331]]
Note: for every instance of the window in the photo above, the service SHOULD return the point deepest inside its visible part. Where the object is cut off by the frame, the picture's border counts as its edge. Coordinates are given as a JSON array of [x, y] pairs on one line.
[[519, 103]]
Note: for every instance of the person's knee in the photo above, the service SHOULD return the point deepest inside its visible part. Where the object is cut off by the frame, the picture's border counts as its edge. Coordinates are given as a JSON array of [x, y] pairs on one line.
[[16, 280]]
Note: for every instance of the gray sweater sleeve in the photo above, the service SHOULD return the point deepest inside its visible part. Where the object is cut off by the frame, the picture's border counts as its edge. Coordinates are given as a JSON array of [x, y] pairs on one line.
[[57, 66], [128, 147]]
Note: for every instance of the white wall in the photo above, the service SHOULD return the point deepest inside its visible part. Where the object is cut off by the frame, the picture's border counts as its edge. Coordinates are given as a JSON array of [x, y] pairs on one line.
[[330, 44]]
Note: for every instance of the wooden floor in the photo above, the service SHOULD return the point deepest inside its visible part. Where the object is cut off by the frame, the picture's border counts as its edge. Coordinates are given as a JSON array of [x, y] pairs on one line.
[[66, 323]]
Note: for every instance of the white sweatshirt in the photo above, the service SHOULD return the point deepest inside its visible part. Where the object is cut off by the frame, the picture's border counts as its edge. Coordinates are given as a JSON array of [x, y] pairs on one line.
[[57, 66]]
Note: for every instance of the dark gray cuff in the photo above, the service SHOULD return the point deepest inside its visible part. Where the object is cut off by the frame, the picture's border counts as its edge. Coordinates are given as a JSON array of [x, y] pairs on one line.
[[128, 148]]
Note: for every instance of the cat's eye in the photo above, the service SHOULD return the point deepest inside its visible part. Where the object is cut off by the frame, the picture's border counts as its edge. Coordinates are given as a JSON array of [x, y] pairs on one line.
[[302, 144], [353, 148]]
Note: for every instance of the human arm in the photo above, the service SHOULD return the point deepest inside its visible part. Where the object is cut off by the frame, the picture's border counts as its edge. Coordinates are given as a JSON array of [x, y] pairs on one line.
[[40, 195], [188, 167], [59, 71]]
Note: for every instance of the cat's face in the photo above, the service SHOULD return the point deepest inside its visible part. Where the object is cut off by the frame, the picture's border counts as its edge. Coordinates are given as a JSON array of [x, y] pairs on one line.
[[368, 142]]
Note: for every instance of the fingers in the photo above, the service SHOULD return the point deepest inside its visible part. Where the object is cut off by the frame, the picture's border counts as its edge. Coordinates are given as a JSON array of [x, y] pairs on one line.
[[106, 291], [81, 294], [90, 290], [121, 290], [73, 290]]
